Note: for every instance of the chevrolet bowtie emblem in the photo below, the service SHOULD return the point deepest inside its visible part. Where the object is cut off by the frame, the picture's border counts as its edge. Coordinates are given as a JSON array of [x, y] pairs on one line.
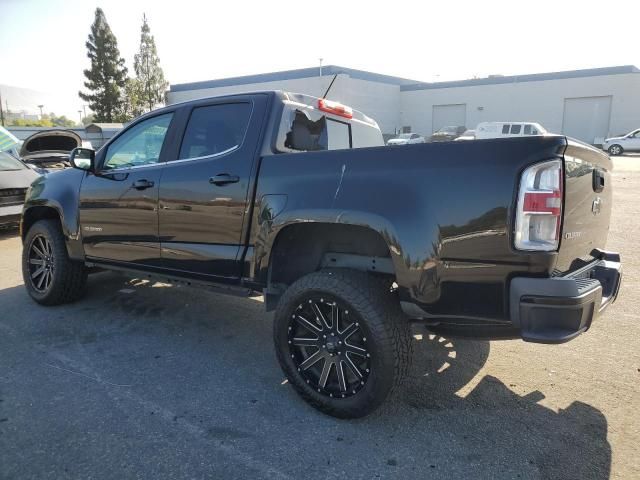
[[596, 206]]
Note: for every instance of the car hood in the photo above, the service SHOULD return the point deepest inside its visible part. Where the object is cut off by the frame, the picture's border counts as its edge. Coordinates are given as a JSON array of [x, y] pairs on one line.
[[613, 139], [50, 143], [397, 141], [17, 178]]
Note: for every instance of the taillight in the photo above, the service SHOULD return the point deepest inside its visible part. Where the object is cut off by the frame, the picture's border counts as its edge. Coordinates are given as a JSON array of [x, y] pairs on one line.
[[539, 213], [335, 108]]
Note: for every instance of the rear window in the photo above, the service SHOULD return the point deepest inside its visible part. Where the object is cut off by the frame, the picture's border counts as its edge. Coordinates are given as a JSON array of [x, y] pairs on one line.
[[339, 135], [309, 130], [306, 129]]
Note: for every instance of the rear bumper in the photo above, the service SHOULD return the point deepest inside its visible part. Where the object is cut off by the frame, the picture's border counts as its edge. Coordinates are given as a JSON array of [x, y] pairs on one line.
[[556, 310]]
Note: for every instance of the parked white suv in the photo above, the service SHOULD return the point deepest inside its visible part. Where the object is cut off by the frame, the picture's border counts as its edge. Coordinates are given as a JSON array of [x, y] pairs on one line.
[[617, 145], [406, 138]]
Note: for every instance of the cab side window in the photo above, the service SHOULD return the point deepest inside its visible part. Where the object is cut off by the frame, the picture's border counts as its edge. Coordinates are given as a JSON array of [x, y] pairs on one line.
[[140, 145], [515, 129], [215, 129], [505, 129]]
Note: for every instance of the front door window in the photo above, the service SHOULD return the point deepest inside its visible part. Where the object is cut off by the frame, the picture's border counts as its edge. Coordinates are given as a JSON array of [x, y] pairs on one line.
[[140, 145]]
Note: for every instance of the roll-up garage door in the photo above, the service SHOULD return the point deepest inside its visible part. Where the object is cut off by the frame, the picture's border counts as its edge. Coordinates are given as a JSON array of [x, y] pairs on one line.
[[586, 118], [446, 115]]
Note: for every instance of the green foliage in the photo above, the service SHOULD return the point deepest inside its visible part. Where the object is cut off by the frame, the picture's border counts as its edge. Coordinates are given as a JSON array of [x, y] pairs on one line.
[[51, 120], [89, 119], [61, 121], [107, 76], [149, 75], [132, 103], [23, 122]]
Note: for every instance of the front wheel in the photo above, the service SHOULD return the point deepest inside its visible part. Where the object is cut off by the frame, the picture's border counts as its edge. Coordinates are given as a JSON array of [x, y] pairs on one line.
[[50, 276], [615, 150], [342, 341]]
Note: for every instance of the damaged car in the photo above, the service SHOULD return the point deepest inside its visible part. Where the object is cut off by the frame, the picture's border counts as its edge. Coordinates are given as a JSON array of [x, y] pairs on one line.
[[15, 179], [50, 149]]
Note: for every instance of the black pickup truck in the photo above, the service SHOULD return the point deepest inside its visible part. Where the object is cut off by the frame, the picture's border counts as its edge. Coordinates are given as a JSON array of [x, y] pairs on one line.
[[349, 241]]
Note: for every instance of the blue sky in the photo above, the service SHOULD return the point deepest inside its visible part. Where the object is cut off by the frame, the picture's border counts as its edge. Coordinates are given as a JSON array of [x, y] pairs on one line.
[[42, 42]]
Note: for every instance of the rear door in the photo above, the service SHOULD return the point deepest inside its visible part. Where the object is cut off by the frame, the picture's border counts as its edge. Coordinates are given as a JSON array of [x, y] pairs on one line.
[[204, 192], [119, 204]]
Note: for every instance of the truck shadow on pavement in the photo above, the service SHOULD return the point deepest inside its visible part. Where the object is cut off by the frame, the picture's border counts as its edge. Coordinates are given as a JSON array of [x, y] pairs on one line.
[[168, 365], [571, 443]]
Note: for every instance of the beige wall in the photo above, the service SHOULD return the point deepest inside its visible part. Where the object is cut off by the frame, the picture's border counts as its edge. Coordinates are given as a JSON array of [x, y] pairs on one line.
[[541, 102]]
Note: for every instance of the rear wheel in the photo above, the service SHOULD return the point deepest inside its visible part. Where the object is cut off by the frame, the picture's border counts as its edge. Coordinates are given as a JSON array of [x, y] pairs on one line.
[[50, 276], [342, 341], [616, 149]]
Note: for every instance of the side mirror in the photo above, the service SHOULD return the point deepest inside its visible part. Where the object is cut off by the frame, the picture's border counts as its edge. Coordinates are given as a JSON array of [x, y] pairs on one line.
[[83, 159]]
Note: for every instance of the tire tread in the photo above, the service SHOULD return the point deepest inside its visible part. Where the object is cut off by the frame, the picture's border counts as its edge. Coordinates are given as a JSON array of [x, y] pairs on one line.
[[71, 283], [374, 301]]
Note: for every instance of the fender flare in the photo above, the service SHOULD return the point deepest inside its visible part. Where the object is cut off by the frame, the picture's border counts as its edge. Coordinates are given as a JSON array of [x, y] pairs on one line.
[[269, 230]]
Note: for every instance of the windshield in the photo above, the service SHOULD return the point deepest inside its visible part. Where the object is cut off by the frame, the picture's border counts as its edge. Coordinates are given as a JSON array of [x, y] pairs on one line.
[[449, 129], [7, 163], [7, 140]]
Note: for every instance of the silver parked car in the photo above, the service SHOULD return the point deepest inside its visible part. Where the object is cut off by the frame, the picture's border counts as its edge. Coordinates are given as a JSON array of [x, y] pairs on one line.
[[15, 179], [406, 139], [626, 143]]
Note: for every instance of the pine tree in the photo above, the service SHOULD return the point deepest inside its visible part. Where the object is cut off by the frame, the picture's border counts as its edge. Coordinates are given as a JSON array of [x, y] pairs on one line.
[[107, 76], [148, 71]]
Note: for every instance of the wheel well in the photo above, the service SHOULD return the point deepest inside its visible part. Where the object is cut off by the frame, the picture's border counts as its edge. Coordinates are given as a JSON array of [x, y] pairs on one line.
[[305, 248], [34, 214]]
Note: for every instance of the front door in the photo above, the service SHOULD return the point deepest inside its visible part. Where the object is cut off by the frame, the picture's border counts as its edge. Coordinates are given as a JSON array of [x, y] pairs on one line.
[[119, 203], [203, 193]]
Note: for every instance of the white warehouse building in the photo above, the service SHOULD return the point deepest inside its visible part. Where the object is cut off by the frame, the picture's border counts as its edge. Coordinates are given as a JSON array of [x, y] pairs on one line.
[[585, 104]]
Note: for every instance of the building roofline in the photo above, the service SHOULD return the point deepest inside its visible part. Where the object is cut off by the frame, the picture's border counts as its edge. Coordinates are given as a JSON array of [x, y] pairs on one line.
[[292, 75], [535, 77]]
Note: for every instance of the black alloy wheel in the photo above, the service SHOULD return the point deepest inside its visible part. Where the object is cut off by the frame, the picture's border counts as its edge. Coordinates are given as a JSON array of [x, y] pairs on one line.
[[342, 340], [328, 346]]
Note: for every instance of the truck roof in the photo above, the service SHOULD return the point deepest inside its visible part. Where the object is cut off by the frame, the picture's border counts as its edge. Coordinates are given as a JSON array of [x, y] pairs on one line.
[[284, 96]]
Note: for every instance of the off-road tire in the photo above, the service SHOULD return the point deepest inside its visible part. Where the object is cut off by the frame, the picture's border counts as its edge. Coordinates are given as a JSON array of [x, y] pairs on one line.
[[69, 278], [386, 327]]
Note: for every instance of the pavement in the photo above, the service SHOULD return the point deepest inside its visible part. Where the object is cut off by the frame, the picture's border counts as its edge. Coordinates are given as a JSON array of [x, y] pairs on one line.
[[145, 380]]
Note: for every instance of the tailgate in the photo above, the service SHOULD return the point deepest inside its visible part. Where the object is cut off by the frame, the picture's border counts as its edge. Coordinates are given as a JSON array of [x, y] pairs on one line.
[[587, 207]]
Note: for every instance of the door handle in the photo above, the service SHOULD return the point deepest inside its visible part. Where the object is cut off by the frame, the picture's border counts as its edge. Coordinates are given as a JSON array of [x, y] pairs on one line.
[[224, 179], [142, 184], [598, 180]]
